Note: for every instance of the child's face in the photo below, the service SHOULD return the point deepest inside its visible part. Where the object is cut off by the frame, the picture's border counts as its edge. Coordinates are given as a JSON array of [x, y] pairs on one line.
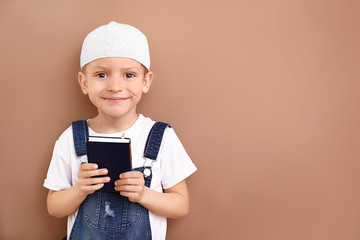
[[115, 85]]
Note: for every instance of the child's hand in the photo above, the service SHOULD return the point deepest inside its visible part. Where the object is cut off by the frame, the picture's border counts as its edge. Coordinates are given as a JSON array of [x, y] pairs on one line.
[[131, 185], [87, 184]]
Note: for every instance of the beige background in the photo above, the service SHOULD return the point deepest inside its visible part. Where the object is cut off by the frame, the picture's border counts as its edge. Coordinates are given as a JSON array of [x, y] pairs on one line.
[[264, 95]]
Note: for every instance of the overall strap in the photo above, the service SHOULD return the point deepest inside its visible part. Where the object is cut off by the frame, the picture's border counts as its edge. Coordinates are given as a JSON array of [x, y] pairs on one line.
[[81, 136], [154, 140]]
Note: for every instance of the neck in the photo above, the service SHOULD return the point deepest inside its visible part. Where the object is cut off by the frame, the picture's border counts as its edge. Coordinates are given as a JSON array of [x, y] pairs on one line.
[[106, 124]]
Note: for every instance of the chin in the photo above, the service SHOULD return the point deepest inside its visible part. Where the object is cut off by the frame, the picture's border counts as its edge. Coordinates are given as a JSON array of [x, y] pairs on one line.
[[119, 114]]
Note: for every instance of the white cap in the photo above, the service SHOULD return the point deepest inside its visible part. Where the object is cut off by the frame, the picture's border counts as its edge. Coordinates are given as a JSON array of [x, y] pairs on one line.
[[115, 40]]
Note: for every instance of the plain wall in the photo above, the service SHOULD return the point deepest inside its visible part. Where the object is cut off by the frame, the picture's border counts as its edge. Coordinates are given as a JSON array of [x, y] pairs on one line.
[[264, 95]]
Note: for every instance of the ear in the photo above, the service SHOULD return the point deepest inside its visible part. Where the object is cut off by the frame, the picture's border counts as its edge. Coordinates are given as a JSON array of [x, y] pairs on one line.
[[83, 82], [147, 82]]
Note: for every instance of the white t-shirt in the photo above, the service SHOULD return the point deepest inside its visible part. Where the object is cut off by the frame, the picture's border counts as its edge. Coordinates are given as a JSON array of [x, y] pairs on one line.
[[171, 167]]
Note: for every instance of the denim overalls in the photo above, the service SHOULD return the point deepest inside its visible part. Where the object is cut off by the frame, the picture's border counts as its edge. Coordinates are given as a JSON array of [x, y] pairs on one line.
[[108, 215]]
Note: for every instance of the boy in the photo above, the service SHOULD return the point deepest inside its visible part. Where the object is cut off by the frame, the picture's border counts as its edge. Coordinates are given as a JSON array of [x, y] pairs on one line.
[[115, 71]]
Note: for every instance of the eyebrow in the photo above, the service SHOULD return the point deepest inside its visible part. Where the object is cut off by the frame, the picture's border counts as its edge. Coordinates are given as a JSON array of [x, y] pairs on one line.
[[99, 66], [132, 68]]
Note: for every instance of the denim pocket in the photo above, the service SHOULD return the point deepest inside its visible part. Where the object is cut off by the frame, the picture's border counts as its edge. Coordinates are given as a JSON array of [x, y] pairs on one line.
[[110, 212]]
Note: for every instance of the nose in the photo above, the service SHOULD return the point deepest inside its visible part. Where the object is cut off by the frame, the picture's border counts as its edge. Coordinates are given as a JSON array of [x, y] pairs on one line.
[[115, 84]]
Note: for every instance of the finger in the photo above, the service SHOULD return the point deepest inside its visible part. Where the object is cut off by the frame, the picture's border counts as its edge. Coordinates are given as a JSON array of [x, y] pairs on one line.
[[131, 174], [93, 173], [130, 181], [96, 180], [133, 197], [88, 166], [129, 188], [92, 188], [98, 172]]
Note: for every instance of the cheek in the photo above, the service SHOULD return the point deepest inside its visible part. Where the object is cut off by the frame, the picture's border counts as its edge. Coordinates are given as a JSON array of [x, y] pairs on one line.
[[96, 87], [136, 88], [94, 91]]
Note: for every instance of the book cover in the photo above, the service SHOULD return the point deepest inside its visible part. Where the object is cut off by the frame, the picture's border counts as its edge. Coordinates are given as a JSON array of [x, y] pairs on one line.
[[113, 154]]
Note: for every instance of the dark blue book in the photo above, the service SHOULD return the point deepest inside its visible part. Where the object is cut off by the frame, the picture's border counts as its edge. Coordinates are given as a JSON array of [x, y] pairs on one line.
[[111, 153]]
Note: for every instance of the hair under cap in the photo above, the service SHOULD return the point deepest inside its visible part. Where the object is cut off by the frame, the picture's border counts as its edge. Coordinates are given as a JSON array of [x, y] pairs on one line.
[[115, 40]]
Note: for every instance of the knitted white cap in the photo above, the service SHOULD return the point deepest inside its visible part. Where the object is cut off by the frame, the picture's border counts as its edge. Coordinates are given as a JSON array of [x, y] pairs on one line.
[[115, 40]]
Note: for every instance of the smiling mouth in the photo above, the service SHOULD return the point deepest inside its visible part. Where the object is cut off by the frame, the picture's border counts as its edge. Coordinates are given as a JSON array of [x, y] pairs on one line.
[[115, 100]]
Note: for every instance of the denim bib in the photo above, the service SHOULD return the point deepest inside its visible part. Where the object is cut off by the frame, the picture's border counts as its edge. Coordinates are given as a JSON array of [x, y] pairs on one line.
[[108, 215]]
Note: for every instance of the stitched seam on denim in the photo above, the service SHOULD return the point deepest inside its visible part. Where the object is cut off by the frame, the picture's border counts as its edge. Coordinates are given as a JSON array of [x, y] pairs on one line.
[[125, 227], [93, 222], [80, 135], [154, 140], [148, 140], [125, 208]]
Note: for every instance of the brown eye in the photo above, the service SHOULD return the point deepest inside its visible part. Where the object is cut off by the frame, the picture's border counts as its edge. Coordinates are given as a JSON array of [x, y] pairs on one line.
[[101, 75], [129, 75]]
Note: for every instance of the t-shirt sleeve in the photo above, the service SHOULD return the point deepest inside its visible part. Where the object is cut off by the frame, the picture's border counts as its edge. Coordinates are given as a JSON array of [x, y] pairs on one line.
[[59, 173], [176, 164]]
